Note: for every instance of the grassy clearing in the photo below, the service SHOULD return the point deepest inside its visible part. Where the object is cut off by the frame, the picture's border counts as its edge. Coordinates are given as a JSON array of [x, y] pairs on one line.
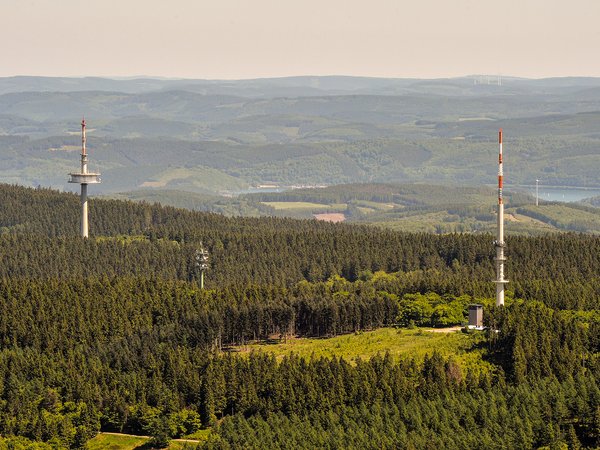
[[427, 222], [399, 342], [198, 177], [297, 205], [376, 205], [200, 435], [65, 148], [446, 222], [565, 216], [109, 441], [365, 210], [104, 441]]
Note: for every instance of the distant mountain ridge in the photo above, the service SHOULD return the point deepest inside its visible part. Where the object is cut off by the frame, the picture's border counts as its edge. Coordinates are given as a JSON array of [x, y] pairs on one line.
[[222, 136], [291, 86]]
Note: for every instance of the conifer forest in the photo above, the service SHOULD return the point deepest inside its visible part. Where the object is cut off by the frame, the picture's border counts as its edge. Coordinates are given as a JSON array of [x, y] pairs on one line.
[[114, 334]]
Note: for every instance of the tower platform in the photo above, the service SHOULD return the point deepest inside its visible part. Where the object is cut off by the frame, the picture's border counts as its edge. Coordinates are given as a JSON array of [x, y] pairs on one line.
[[85, 178]]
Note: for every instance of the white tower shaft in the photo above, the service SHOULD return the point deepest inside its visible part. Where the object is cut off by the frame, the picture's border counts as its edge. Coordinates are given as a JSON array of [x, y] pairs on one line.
[[500, 281], [84, 211], [84, 202]]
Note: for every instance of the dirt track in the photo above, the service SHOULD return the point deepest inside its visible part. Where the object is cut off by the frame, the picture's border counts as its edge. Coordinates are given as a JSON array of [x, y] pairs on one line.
[[445, 330]]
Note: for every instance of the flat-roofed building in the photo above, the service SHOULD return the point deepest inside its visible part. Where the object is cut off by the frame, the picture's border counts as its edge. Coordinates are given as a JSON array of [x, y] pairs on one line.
[[476, 316]]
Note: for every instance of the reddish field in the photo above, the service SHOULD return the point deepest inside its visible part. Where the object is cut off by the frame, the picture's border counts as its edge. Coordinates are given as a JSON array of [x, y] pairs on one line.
[[331, 217]]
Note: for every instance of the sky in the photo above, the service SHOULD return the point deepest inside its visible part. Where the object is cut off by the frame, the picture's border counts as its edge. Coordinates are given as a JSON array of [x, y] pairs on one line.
[[236, 39]]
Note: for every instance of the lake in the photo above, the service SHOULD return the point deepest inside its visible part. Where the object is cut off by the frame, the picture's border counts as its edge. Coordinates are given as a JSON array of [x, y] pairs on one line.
[[562, 194]]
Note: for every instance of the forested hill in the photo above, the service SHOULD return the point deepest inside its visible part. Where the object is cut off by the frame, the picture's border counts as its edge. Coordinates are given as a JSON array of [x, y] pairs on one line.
[[40, 238], [113, 333]]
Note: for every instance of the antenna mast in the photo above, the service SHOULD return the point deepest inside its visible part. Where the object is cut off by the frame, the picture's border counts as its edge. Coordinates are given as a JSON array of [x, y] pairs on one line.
[[201, 263], [499, 242]]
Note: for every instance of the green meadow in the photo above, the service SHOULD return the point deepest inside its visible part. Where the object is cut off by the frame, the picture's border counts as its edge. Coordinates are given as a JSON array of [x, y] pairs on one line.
[[399, 342]]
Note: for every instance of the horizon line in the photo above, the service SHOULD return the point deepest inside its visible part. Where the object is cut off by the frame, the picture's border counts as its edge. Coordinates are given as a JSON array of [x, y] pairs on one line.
[[275, 77]]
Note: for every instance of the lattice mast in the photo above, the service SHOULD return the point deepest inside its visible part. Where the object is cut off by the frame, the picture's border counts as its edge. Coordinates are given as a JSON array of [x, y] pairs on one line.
[[201, 262]]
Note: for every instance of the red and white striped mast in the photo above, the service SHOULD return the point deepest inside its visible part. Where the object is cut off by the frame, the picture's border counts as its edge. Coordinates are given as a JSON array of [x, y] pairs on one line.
[[499, 242]]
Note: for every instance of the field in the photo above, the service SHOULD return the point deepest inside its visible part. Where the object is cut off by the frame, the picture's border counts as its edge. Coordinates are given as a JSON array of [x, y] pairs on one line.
[[330, 217], [117, 441], [296, 205], [432, 208], [198, 178], [446, 222], [565, 216], [398, 342], [107, 441], [402, 207]]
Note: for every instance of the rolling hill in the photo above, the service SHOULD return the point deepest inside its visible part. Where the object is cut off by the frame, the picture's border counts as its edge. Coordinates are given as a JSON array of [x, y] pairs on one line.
[[226, 137]]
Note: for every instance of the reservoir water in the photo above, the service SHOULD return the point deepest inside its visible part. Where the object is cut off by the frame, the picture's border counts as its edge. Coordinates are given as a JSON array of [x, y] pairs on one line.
[[563, 194]]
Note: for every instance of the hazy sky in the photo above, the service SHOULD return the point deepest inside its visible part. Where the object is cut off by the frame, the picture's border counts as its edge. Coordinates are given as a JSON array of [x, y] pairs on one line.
[[264, 38]]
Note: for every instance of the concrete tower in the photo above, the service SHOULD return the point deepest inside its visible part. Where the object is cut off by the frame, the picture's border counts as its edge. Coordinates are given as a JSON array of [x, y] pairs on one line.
[[499, 242], [84, 178]]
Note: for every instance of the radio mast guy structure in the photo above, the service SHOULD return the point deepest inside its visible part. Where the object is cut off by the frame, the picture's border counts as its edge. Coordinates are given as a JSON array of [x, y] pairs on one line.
[[84, 178], [499, 242]]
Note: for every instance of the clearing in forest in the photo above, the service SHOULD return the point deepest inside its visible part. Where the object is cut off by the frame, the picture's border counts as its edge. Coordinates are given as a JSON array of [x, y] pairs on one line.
[[330, 217], [296, 205], [121, 441], [467, 349]]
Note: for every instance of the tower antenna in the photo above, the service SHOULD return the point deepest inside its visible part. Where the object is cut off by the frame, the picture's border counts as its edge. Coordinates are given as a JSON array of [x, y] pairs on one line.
[[499, 242], [84, 178]]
